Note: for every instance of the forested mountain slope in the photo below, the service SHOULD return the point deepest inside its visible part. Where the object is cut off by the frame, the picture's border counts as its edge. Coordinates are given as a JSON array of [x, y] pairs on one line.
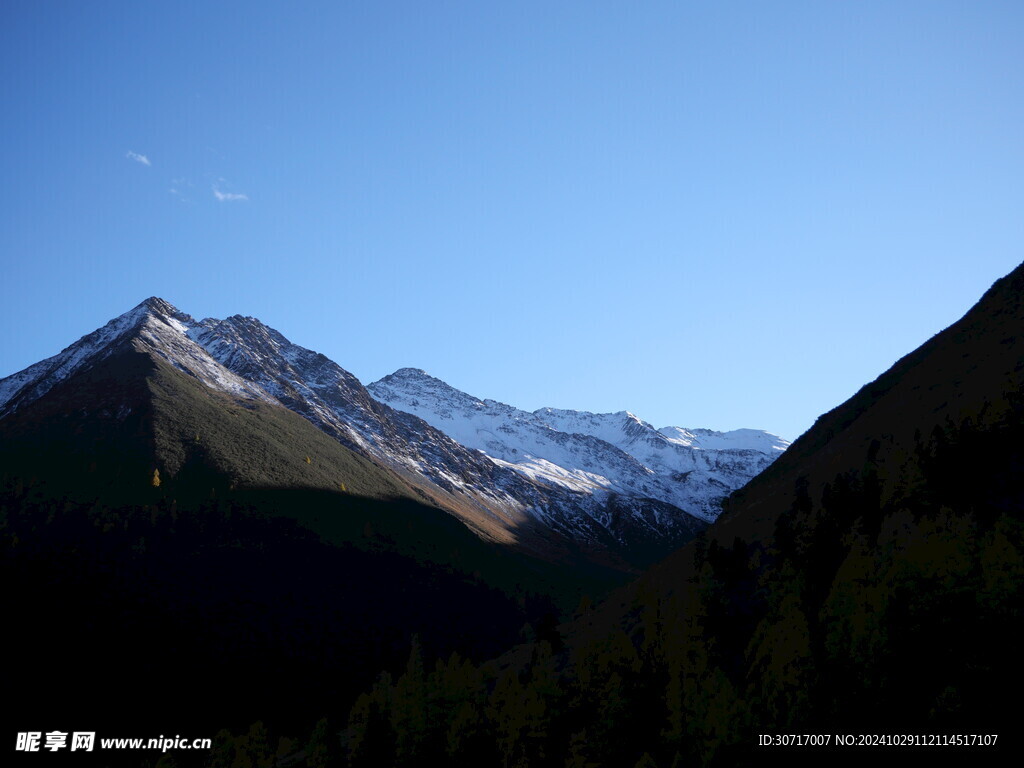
[[871, 581]]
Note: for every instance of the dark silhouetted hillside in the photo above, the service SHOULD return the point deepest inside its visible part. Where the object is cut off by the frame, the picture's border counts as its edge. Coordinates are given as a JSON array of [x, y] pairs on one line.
[[871, 581]]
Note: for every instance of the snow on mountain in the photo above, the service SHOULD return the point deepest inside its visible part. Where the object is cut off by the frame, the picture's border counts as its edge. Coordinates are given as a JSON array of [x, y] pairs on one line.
[[737, 439], [333, 399], [153, 325], [510, 466], [596, 453]]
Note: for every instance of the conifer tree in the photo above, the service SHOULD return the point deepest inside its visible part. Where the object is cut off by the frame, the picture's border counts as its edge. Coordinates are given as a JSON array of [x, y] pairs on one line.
[[223, 750], [259, 745], [409, 708], [317, 749]]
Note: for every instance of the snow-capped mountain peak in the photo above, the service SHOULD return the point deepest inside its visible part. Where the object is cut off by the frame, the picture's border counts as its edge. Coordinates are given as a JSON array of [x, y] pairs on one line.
[[736, 439], [154, 325], [598, 453]]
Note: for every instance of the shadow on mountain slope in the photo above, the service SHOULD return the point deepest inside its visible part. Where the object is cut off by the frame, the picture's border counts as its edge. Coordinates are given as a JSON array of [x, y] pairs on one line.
[[208, 561]]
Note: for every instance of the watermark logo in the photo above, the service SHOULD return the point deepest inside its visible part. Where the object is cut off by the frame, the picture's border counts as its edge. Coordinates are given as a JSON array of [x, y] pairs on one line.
[[35, 741], [85, 741]]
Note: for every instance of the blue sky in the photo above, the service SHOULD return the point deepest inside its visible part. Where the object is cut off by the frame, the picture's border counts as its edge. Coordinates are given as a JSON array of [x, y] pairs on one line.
[[711, 214]]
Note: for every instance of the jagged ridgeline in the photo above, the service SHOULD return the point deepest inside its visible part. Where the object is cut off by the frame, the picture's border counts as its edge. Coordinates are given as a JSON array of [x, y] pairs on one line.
[[569, 486], [869, 582]]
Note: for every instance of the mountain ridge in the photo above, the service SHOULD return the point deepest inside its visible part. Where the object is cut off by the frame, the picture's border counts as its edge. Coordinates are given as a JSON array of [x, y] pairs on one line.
[[608, 500], [595, 453]]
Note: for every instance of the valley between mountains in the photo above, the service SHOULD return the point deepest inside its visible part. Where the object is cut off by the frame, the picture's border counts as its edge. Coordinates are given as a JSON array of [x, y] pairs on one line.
[[229, 534]]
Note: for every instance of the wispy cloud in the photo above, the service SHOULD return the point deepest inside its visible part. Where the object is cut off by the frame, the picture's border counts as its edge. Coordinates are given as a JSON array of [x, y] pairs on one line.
[[227, 197], [179, 189], [137, 157]]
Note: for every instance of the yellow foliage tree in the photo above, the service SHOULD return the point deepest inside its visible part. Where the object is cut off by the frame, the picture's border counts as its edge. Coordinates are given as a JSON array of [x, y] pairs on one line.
[[156, 478]]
